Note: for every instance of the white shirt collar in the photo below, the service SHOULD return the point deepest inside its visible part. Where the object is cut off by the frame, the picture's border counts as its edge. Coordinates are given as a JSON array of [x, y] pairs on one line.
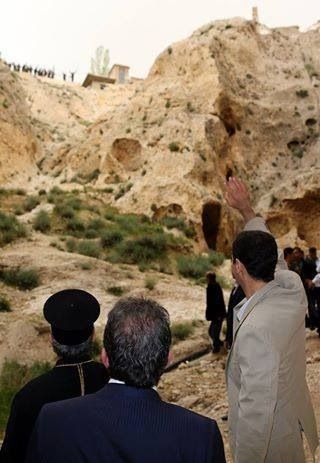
[[242, 309], [116, 381]]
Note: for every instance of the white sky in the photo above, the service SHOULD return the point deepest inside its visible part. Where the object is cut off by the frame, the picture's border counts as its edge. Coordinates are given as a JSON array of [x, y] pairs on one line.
[[65, 33]]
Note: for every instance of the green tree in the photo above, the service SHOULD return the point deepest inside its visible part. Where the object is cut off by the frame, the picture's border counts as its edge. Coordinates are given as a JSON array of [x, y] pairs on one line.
[[100, 62]]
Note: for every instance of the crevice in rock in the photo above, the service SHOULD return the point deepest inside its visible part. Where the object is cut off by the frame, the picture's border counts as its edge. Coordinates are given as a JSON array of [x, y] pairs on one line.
[[211, 216]]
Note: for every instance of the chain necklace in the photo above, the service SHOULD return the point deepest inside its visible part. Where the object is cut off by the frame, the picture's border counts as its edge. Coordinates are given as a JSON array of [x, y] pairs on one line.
[[80, 372]]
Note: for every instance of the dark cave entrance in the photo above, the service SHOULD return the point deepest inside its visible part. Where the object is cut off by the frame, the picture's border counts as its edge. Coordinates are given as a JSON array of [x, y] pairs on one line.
[[211, 215]]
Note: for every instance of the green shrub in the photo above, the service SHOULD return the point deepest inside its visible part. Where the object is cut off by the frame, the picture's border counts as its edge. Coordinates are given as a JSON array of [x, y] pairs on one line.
[[42, 221], [86, 266], [223, 282], [20, 192], [91, 176], [150, 283], [173, 146], [96, 224], [10, 228], [18, 210], [190, 107], [111, 237], [182, 330], [75, 224], [193, 266], [71, 245], [302, 93], [42, 192], [65, 211], [89, 248], [180, 224], [12, 378], [91, 234], [4, 305], [30, 203], [216, 258], [21, 278], [144, 249], [115, 290]]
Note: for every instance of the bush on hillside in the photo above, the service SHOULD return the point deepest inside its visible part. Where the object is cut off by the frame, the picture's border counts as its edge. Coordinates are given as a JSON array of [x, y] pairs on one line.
[[193, 266], [12, 378], [142, 250], [182, 330], [216, 258], [10, 228], [115, 290], [42, 222], [23, 279], [30, 203], [89, 248], [111, 237], [150, 283], [4, 305]]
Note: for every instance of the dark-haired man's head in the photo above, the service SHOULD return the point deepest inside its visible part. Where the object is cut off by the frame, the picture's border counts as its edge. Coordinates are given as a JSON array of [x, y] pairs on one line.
[[313, 253], [254, 257], [288, 255], [298, 254], [211, 277], [137, 341]]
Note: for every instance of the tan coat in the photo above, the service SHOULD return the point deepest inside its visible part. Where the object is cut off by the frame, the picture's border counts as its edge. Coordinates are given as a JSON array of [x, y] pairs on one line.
[[269, 400]]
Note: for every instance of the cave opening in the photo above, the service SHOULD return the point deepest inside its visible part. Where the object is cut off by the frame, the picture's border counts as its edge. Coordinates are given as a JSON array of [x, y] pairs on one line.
[[211, 216]]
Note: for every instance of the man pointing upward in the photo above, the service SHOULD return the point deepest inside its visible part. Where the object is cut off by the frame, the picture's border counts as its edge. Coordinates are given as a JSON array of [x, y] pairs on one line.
[[269, 401]]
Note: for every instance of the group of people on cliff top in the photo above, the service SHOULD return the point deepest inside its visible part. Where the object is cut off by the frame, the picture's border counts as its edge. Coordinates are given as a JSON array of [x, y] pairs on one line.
[[38, 71], [86, 411]]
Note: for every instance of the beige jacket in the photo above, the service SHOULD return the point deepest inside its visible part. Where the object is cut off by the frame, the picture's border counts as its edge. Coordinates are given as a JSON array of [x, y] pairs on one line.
[[269, 400]]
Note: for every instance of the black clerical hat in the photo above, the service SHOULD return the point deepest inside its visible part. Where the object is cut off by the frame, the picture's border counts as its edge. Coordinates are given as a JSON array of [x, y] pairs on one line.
[[71, 314]]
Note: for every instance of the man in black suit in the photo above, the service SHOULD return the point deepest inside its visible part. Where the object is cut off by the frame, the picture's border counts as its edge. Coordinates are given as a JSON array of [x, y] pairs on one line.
[[215, 310], [127, 422], [71, 314]]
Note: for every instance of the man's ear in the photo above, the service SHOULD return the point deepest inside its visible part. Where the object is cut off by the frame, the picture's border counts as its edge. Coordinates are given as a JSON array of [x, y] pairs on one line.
[[239, 266], [105, 358]]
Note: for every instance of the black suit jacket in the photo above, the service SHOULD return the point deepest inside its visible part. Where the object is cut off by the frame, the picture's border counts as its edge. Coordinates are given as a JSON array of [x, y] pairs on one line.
[[123, 424], [62, 382], [216, 309]]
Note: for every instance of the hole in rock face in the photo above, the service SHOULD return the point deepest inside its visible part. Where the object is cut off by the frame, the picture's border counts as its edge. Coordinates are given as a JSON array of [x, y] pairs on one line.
[[128, 152], [292, 145], [311, 122], [211, 215]]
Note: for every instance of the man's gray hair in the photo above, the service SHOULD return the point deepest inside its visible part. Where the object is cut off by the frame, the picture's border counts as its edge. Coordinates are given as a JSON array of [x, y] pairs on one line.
[[70, 352]]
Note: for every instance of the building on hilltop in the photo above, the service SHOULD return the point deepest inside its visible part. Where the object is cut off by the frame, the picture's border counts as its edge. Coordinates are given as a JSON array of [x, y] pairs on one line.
[[97, 82], [120, 73]]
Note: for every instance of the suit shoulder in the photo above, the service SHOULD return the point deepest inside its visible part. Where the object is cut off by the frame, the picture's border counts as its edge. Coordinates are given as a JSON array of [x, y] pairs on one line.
[[75, 403], [189, 416]]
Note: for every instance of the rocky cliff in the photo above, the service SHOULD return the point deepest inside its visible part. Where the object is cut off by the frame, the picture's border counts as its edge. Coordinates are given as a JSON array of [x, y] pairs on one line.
[[235, 97], [18, 144]]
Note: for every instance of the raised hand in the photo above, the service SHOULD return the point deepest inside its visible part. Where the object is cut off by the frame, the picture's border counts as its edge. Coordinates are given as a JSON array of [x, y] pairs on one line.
[[237, 197]]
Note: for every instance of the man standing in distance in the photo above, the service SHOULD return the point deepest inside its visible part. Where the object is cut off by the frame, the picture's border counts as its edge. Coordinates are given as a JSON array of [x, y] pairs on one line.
[[269, 400]]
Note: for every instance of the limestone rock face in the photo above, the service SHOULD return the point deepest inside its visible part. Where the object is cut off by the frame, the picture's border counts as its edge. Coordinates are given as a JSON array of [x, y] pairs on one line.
[[18, 144], [234, 98]]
